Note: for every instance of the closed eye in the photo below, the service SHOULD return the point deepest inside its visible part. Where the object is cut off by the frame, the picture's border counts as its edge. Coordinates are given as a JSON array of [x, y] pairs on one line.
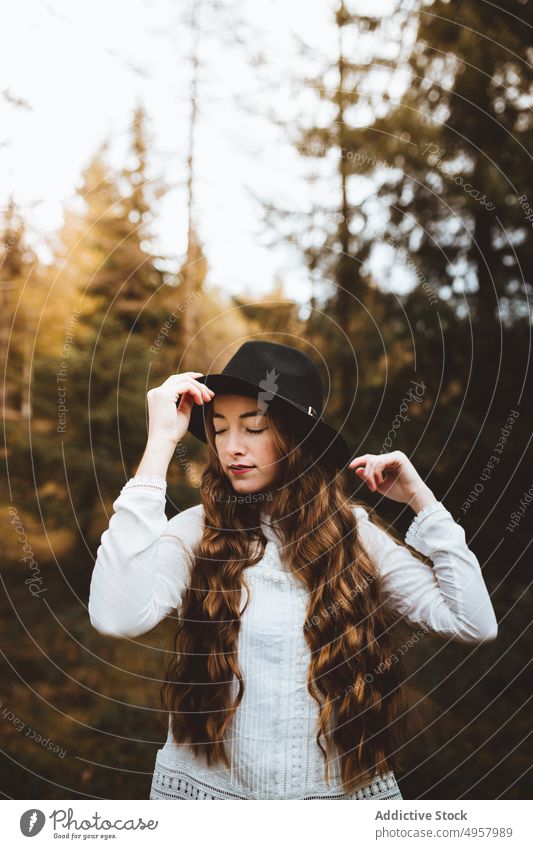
[[217, 432]]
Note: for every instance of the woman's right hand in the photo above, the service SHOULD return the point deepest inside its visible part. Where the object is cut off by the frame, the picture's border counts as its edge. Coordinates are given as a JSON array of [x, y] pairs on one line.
[[168, 422]]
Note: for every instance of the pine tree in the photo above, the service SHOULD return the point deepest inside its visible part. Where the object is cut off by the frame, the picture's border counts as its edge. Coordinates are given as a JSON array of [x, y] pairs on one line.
[[336, 239], [458, 146], [123, 300], [19, 280]]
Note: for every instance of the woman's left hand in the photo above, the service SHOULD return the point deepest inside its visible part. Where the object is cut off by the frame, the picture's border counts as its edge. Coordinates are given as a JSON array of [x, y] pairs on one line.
[[394, 476]]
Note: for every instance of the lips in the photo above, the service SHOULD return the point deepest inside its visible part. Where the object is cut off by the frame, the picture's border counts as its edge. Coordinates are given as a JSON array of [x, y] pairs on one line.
[[241, 467]]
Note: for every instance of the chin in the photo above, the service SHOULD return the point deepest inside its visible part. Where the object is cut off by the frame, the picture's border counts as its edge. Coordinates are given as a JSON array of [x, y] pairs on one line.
[[246, 486], [241, 486]]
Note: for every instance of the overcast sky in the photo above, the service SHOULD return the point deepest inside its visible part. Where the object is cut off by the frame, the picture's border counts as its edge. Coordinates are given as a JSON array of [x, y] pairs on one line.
[[83, 65]]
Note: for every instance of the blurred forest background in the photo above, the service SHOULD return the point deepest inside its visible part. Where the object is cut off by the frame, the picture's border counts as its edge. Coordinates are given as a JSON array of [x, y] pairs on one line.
[[440, 178]]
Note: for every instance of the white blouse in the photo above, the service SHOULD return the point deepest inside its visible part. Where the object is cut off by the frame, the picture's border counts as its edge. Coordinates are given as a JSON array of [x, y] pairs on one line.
[[142, 570]]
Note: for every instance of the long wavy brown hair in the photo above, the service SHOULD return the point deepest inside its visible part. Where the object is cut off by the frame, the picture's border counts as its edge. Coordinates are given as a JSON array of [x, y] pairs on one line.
[[364, 702]]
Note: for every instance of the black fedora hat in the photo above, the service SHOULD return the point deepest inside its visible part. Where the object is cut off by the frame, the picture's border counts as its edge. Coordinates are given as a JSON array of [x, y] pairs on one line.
[[268, 370]]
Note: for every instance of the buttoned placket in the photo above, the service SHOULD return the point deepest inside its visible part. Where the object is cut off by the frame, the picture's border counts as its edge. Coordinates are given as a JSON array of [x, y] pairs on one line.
[[294, 662], [299, 700]]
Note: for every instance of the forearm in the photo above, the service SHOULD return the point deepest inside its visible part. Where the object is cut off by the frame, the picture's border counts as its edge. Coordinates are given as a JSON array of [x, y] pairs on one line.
[[450, 597], [156, 458], [464, 610], [422, 498]]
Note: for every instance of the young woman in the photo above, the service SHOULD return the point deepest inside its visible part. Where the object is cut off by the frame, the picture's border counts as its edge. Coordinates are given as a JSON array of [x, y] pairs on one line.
[[285, 680]]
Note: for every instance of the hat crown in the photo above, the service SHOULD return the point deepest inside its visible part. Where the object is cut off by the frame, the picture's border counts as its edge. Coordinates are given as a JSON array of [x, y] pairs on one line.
[[279, 370]]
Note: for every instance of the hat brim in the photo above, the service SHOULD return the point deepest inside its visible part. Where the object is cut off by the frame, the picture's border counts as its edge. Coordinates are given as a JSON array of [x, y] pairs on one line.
[[328, 439]]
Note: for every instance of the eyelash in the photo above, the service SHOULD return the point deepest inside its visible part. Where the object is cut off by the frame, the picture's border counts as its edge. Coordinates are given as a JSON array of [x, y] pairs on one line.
[[248, 429]]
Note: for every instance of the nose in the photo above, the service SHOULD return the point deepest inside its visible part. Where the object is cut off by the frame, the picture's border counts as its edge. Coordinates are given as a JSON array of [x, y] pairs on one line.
[[234, 445]]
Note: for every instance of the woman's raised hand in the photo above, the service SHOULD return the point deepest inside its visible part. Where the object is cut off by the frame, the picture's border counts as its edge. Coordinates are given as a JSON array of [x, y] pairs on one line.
[[394, 476], [169, 421]]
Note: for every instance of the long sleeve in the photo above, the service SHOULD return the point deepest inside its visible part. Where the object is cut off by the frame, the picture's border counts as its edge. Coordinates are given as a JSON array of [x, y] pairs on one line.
[[451, 598], [143, 562]]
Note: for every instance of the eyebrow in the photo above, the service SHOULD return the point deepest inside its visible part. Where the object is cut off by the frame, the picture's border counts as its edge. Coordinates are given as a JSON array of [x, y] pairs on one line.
[[242, 415]]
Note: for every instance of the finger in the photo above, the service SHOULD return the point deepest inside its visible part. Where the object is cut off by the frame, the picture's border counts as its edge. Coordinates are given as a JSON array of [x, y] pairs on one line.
[[184, 404], [363, 475], [188, 386], [204, 390], [369, 479], [378, 474], [183, 374], [207, 391], [370, 475], [358, 461], [385, 470]]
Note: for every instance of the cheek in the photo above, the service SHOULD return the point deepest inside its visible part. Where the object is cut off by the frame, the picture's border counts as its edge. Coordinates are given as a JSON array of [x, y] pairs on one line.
[[269, 455]]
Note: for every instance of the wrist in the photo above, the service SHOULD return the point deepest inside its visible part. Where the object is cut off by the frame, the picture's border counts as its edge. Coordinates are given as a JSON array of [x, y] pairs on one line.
[[157, 456], [162, 442], [421, 498]]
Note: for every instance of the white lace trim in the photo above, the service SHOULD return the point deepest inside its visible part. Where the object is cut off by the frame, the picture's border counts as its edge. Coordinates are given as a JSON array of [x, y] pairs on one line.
[[414, 527], [152, 482], [173, 782]]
